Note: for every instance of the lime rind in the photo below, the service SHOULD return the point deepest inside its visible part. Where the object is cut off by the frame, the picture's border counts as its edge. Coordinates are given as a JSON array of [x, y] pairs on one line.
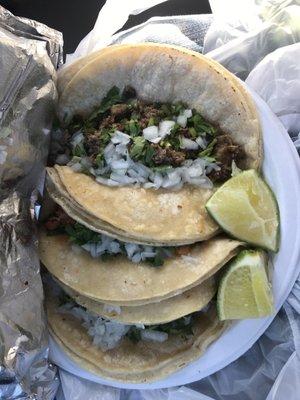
[[252, 264], [262, 187]]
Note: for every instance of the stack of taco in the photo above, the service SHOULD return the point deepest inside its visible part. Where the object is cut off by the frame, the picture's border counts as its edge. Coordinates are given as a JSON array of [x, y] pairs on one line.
[[146, 135]]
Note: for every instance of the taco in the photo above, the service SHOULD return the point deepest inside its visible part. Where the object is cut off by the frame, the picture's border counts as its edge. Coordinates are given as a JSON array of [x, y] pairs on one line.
[[121, 273], [161, 312], [149, 132], [129, 353]]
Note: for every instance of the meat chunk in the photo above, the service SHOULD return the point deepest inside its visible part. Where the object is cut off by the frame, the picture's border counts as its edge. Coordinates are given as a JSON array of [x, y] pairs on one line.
[[57, 220], [92, 143], [147, 112], [225, 151], [183, 250], [119, 111], [111, 121], [167, 156]]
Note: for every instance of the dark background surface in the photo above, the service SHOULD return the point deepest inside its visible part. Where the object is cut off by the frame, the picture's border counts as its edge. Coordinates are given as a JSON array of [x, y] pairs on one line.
[[75, 18]]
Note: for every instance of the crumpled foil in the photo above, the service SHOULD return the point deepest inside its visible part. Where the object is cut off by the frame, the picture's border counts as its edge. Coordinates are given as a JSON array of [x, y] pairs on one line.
[[30, 53]]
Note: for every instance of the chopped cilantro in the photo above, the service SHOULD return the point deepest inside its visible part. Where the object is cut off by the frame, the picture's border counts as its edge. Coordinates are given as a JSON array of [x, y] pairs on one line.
[[149, 153], [132, 128], [134, 334], [162, 168], [152, 121], [209, 149], [99, 160], [137, 148], [113, 97], [178, 108], [193, 132], [200, 125], [80, 235], [79, 150], [159, 259], [183, 326], [209, 159]]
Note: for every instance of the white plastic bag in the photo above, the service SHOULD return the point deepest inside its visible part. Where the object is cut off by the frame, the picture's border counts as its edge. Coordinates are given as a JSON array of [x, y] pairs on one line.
[[244, 32], [277, 80]]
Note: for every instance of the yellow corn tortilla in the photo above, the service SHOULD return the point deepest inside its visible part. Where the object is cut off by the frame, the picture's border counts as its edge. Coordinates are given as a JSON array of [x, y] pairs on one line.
[[158, 217], [144, 361], [151, 314], [122, 282]]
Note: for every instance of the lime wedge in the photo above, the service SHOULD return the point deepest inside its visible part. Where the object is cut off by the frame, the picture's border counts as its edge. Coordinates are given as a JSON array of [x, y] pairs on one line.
[[244, 290], [246, 208]]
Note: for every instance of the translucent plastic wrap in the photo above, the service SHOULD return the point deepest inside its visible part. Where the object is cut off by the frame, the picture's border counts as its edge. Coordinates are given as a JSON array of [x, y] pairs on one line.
[[242, 34], [277, 80]]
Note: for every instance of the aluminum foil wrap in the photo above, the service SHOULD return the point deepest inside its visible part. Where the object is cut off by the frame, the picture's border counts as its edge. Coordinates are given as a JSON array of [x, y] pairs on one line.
[[30, 52]]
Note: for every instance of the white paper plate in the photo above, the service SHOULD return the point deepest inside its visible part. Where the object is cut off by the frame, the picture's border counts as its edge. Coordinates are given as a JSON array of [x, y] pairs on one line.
[[282, 170]]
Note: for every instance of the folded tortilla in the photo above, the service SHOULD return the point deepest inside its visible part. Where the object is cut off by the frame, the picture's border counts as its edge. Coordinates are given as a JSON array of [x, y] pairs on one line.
[[138, 215], [158, 73], [144, 361], [153, 313], [120, 281]]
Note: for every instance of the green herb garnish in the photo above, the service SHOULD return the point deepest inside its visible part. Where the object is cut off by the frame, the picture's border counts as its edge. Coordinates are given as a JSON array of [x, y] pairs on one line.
[[79, 150], [183, 326], [113, 97], [132, 128], [209, 149], [81, 235], [137, 148]]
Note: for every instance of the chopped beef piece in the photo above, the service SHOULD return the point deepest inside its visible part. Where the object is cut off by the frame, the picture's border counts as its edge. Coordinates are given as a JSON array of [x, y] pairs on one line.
[[167, 156], [109, 122], [92, 143], [106, 122], [183, 250], [128, 93], [148, 112], [119, 111], [225, 151], [52, 224], [58, 219]]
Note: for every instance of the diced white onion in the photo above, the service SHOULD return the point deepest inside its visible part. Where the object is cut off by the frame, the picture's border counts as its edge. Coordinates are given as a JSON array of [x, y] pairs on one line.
[[109, 308], [106, 333], [122, 170], [154, 336], [202, 142], [188, 113], [182, 120], [120, 138], [188, 144], [151, 134], [77, 138], [165, 127]]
